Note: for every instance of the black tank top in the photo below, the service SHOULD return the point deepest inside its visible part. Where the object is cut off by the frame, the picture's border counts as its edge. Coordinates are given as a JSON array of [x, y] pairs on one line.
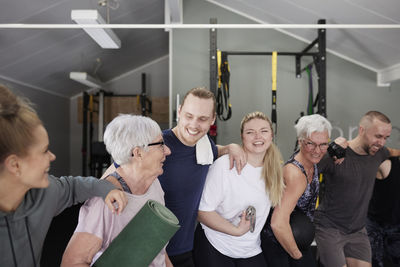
[[308, 199], [306, 202], [384, 206]]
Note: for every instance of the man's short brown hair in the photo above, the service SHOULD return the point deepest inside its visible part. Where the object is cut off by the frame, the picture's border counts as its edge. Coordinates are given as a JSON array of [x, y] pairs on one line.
[[203, 93]]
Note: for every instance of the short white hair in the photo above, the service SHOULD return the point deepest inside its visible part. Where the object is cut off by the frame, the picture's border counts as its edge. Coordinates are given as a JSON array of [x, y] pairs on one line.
[[127, 131], [312, 123]]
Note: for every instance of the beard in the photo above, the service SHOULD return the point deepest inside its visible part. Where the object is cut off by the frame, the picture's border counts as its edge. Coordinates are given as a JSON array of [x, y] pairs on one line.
[[373, 149]]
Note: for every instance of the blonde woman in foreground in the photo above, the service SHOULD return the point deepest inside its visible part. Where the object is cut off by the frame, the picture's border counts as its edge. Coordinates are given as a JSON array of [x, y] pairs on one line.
[[226, 237]]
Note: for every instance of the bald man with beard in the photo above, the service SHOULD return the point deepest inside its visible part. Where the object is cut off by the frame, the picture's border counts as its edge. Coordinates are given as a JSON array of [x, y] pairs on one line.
[[341, 236]]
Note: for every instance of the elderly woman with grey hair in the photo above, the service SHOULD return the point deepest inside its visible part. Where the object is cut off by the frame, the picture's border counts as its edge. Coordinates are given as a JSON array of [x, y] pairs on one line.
[[138, 151], [300, 174]]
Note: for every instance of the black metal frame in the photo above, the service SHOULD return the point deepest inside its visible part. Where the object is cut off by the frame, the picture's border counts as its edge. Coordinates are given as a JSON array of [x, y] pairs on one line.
[[213, 66], [319, 59], [98, 154]]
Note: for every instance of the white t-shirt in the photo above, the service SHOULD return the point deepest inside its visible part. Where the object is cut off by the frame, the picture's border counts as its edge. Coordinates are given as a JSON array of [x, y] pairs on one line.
[[95, 218], [229, 193]]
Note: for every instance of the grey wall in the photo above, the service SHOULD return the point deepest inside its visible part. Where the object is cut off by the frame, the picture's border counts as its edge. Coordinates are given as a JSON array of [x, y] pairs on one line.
[[54, 112], [351, 90], [129, 83]]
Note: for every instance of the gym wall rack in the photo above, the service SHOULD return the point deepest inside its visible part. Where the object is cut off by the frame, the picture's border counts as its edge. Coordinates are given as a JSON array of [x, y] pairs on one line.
[[319, 59], [98, 156]]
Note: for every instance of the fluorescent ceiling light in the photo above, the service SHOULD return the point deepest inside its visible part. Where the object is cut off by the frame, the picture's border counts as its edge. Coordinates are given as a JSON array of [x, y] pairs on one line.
[[106, 38], [84, 78]]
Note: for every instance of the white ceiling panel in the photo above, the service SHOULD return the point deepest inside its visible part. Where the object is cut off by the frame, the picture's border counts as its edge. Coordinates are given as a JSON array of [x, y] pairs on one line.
[[44, 58], [375, 49]]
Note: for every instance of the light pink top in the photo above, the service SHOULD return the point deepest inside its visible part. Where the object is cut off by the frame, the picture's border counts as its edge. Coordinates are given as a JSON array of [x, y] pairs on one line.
[[95, 218]]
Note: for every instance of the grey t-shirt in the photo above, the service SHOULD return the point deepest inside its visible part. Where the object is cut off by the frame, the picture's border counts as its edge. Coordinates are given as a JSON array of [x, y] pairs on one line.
[[348, 189]]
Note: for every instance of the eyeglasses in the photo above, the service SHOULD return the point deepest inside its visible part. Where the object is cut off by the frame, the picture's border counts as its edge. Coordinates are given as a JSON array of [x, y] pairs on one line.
[[161, 143], [312, 146], [157, 143]]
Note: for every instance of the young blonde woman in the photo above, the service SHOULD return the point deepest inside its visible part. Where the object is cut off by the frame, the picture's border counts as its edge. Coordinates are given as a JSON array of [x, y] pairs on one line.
[[224, 237], [29, 196]]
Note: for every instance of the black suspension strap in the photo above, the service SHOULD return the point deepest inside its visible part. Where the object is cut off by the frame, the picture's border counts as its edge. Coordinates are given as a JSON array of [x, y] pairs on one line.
[[224, 107], [273, 78], [310, 103]]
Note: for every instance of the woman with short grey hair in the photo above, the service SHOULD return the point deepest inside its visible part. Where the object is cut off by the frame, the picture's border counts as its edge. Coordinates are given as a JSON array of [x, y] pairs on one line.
[[312, 123], [126, 132], [300, 174], [138, 150]]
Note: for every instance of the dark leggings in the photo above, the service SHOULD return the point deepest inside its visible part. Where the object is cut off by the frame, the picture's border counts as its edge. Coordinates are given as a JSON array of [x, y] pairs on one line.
[[182, 260], [385, 240], [205, 255], [276, 256]]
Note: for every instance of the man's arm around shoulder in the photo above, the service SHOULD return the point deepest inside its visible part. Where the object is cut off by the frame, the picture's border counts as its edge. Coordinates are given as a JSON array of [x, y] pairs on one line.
[[236, 155], [393, 152]]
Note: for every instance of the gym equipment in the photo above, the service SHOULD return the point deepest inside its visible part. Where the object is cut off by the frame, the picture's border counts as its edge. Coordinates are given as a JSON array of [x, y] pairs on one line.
[[251, 216], [94, 154], [303, 229], [310, 104], [319, 60], [273, 76], [142, 238], [321, 189], [223, 102]]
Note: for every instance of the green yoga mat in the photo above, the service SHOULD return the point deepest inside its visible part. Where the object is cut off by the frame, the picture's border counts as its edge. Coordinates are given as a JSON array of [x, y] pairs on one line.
[[142, 238]]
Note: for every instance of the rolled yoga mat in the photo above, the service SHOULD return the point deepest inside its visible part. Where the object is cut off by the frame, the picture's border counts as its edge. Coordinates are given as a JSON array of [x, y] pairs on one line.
[[142, 238]]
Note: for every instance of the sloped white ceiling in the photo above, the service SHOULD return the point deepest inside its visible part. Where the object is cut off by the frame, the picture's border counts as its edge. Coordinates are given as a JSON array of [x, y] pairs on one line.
[[374, 49], [43, 58]]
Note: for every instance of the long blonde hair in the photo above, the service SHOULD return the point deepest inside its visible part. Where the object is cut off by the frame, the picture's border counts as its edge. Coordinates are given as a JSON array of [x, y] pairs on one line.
[[272, 163]]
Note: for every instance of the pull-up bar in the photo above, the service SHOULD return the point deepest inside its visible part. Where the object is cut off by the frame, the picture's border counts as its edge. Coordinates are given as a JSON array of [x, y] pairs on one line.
[[319, 58], [198, 26], [244, 53]]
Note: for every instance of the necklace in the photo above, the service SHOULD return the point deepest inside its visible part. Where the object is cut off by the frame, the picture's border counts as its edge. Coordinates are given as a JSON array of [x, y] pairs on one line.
[[310, 174], [309, 171]]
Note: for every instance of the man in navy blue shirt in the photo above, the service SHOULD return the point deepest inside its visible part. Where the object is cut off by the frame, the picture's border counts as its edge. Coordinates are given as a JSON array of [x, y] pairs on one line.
[[184, 177]]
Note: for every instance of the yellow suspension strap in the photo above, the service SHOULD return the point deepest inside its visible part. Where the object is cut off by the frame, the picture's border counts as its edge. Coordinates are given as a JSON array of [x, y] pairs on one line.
[[223, 102], [90, 103], [274, 69], [91, 109], [321, 177], [219, 68], [321, 186]]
